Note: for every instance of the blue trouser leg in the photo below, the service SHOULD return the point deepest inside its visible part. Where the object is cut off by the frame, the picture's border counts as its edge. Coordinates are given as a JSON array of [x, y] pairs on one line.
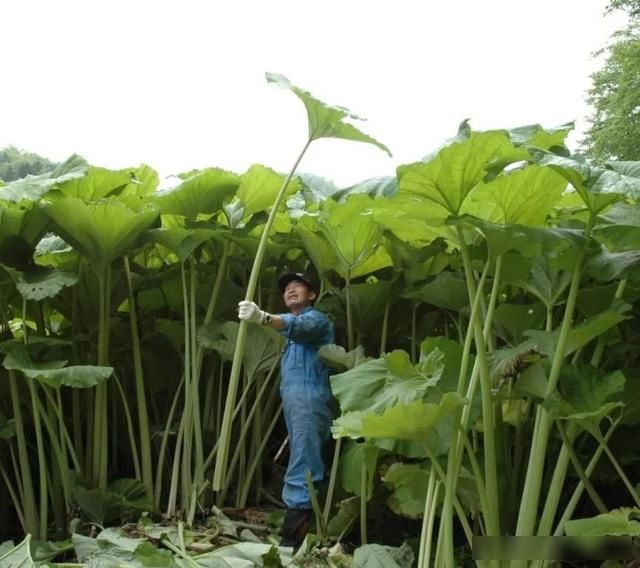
[[308, 415]]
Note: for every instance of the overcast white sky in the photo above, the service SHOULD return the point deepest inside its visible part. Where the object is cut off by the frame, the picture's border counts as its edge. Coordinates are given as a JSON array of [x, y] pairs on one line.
[[180, 85]]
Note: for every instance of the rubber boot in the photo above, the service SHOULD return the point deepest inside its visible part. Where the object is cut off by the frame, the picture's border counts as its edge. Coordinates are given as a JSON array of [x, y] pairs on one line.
[[295, 527]]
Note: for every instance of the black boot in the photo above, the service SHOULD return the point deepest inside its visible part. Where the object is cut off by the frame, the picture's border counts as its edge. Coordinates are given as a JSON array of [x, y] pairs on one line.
[[295, 527]]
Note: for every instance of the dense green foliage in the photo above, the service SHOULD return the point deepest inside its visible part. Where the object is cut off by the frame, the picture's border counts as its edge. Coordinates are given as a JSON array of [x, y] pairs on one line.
[[16, 164], [487, 297]]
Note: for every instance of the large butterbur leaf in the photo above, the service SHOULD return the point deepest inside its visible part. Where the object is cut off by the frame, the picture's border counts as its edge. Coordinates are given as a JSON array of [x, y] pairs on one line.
[[378, 556], [409, 485], [259, 187], [413, 421], [597, 187], [380, 383], [353, 459], [447, 179], [45, 283], [97, 184], [100, 231], [523, 197], [201, 193], [326, 121], [354, 235], [18, 557], [55, 373], [619, 522], [32, 188], [180, 240], [586, 395]]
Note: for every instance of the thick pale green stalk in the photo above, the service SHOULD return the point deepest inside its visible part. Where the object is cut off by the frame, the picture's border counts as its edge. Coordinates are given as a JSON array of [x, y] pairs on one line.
[[130, 429], [332, 480], [347, 292], [560, 472], [577, 493], [42, 463], [454, 460], [584, 479], [198, 473], [14, 497], [187, 415], [163, 444], [143, 417], [246, 485], [240, 440], [28, 495], [542, 429], [234, 379], [363, 502], [492, 518], [385, 326], [99, 451], [428, 515]]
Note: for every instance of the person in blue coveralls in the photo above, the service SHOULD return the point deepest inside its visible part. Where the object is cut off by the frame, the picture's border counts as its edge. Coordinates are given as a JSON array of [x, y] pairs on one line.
[[305, 391]]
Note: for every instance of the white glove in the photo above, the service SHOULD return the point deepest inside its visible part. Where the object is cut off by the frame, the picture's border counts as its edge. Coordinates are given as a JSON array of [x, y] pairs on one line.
[[249, 311]]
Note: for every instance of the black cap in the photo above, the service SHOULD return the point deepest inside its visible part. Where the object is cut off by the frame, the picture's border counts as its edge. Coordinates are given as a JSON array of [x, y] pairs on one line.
[[296, 276]]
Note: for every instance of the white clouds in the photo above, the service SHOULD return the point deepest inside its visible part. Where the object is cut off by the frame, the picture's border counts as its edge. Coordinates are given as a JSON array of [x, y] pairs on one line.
[[181, 85]]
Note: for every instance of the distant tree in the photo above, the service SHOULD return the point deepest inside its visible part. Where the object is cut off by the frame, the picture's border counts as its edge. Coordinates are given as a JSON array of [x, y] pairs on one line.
[[631, 7], [16, 164], [615, 99]]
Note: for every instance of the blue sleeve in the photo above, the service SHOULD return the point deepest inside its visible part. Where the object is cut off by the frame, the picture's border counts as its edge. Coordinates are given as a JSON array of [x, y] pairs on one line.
[[309, 327]]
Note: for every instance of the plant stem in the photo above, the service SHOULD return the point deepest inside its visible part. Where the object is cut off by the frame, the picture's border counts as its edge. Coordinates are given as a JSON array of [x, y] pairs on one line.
[[234, 379], [542, 429], [332, 480], [143, 418]]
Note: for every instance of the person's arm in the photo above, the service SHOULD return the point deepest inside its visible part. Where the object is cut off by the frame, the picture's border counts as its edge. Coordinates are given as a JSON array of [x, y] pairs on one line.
[[308, 327], [249, 311]]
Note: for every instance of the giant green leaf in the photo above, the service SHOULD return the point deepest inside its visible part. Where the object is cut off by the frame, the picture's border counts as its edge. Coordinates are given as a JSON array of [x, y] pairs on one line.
[[32, 188], [374, 556], [413, 220], [619, 522], [582, 333], [180, 240], [620, 227], [203, 193], [413, 421], [325, 121], [409, 485], [525, 196], [598, 187], [380, 383], [266, 344], [259, 187], [539, 137], [54, 373], [101, 231], [448, 178], [375, 187], [19, 556], [447, 291], [354, 235], [96, 184], [317, 246], [607, 266], [353, 458], [586, 394], [45, 283]]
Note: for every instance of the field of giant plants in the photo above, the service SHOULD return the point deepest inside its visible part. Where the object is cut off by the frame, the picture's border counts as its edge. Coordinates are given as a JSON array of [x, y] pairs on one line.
[[485, 301]]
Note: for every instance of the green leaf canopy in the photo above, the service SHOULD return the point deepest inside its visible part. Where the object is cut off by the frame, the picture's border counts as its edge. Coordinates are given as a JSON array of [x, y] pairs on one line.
[[326, 121], [102, 231]]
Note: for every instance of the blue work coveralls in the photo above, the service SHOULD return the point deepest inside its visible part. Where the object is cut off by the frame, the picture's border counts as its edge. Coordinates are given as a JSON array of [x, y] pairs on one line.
[[306, 401]]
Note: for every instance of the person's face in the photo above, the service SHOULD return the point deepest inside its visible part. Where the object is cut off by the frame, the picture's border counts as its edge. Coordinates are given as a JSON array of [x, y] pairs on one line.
[[298, 296]]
